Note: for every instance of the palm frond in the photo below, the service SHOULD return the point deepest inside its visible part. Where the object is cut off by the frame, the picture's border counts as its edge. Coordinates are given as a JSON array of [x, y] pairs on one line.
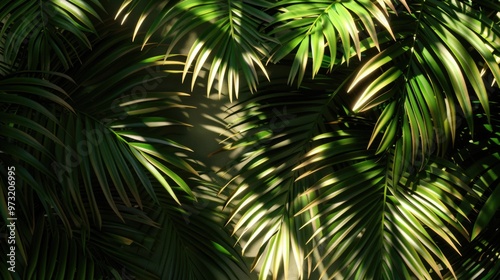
[[267, 197], [27, 104], [117, 135], [481, 160], [368, 221], [335, 27], [429, 77], [381, 167], [311, 193], [190, 242], [88, 151], [45, 250], [229, 39], [34, 33]]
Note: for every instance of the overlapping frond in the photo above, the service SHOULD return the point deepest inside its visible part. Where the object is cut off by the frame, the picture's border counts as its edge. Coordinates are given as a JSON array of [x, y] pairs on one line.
[[372, 227], [27, 105], [128, 114], [277, 132], [351, 175], [35, 33], [45, 251], [229, 39], [327, 32], [86, 149], [429, 77], [311, 195], [190, 242], [480, 159]]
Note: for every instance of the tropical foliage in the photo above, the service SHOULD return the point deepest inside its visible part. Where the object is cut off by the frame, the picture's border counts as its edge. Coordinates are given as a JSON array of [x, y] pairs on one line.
[[98, 183], [366, 135]]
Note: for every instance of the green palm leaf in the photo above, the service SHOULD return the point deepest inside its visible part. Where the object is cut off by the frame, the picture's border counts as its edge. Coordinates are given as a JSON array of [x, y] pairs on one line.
[[434, 68], [35, 33], [46, 250], [88, 156], [411, 211], [312, 195], [480, 159], [381, 167], [316, 25], [190, 242], [107, 131], [267, 198], [230, 39], [27, 104]]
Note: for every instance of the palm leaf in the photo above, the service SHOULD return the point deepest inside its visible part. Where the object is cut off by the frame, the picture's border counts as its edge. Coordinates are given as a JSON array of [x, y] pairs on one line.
[[312, 194], [85, 164], [27, 104], [426, 75], [480, 159], [412, 211], [316, 25], [190, 242], [115, 135], [230, 38], [46, 250], [34, 33], [264, 204]]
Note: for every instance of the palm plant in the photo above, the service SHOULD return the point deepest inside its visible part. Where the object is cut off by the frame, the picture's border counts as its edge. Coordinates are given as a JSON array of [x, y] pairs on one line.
[[371, 188], [376, 156], [99, 183]]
